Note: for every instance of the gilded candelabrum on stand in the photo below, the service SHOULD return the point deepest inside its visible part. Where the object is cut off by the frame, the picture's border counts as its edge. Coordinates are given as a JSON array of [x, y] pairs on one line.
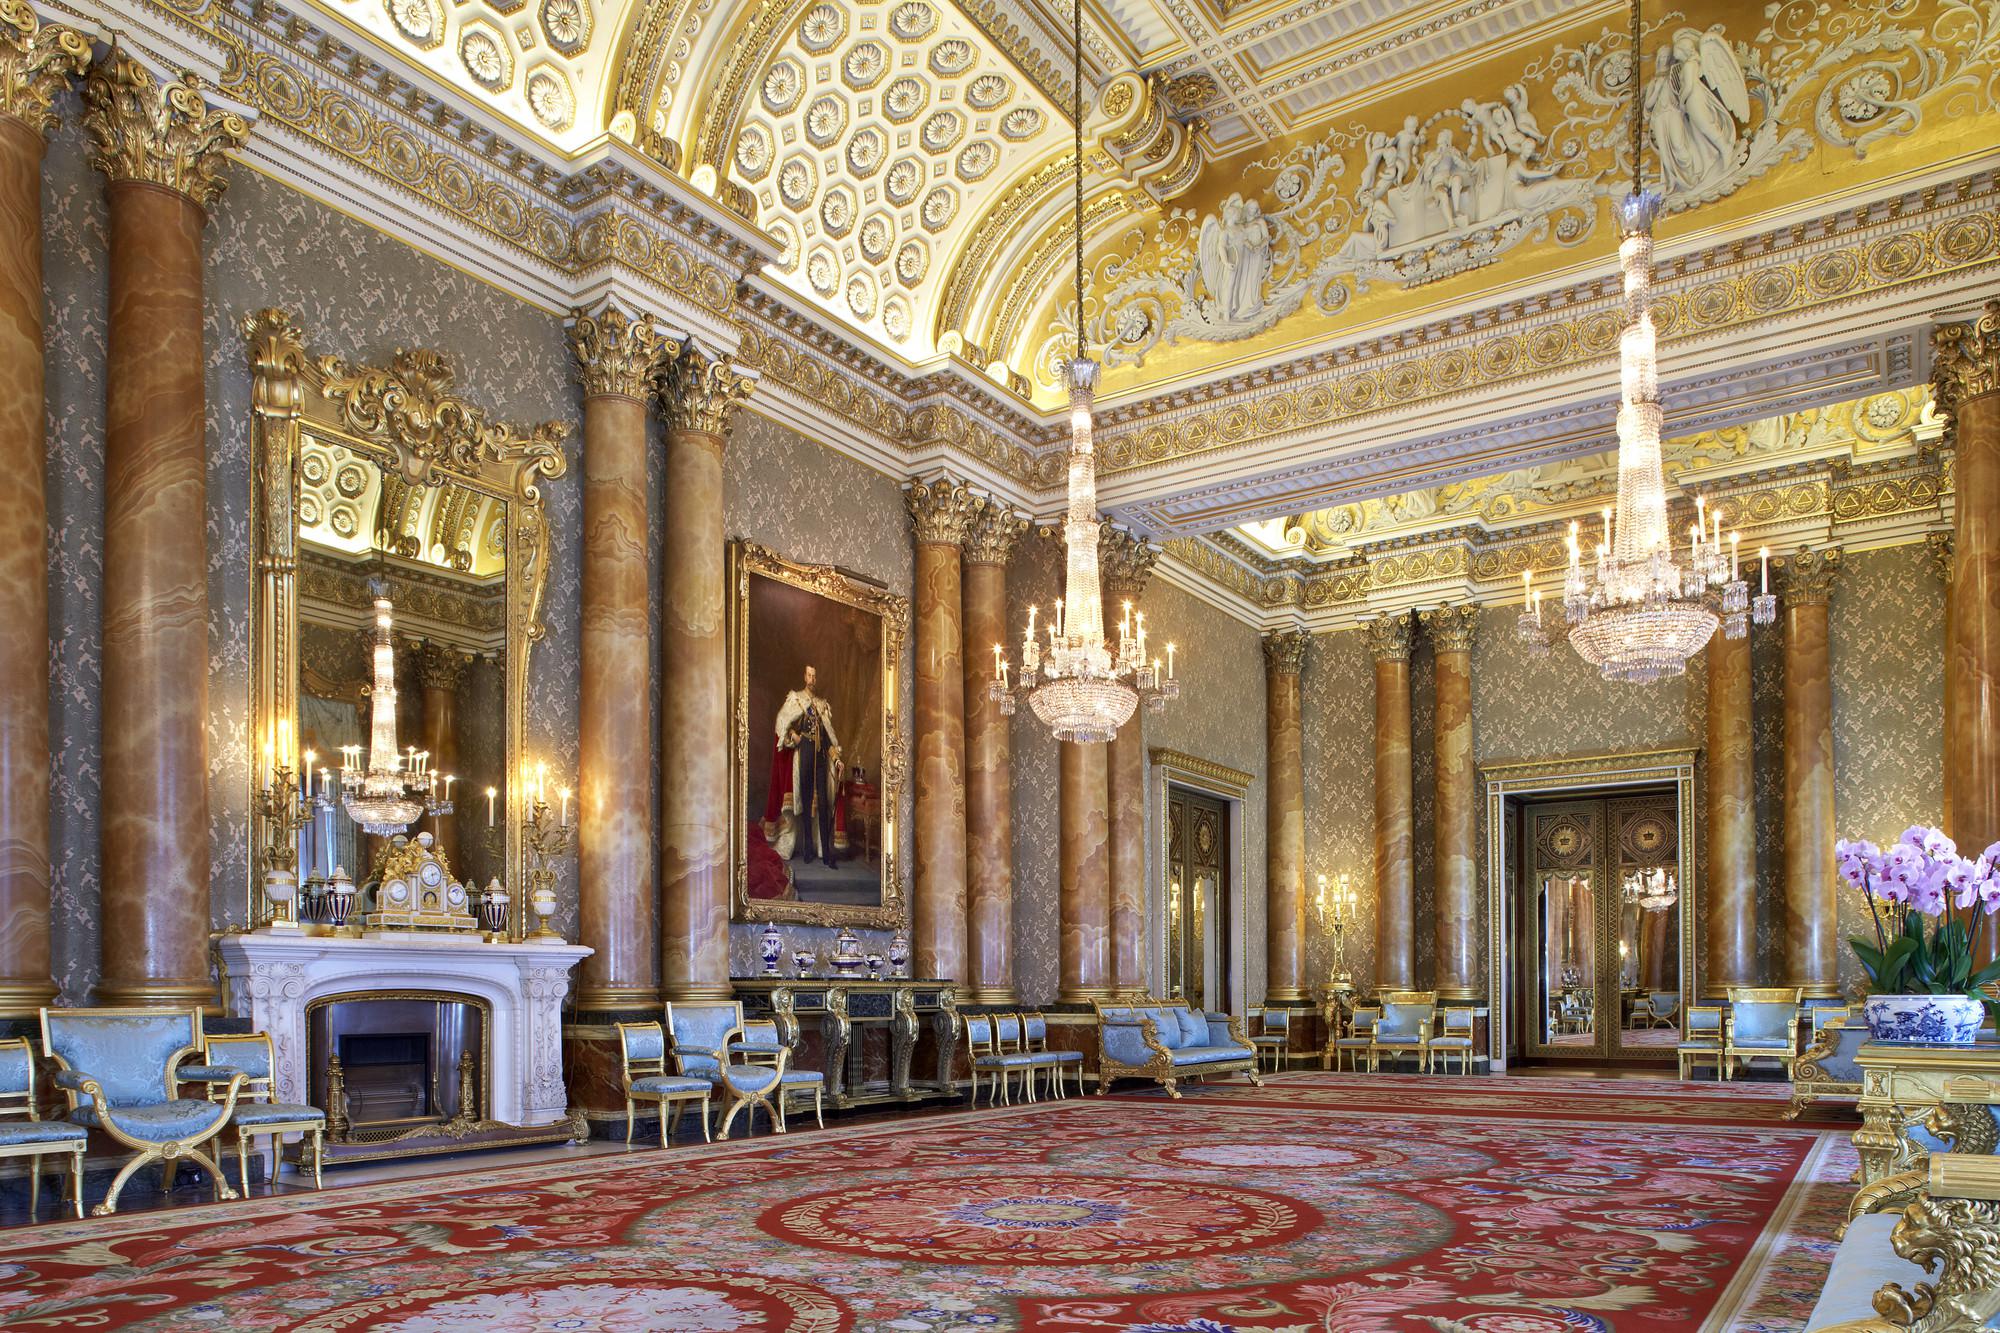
[[1336, 904], [544, 839], [287, 806]]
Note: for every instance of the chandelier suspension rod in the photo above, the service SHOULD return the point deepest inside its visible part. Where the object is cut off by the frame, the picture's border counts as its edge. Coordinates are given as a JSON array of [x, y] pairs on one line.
[[1076, 128]]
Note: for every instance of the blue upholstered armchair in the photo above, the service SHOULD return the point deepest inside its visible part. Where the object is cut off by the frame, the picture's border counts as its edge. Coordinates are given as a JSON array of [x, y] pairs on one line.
[[258, 1112], [1405, 1028], [1762, 1024], [1169, 1043], [761, 1044], [642, 1066], [1826, 1070], [29, 1135], [1701, 1040], [702, 1036], [122, 1068]]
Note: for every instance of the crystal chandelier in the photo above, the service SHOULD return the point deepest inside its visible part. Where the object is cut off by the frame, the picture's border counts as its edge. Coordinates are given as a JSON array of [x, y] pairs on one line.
[[386, 797], [1079, 685], [1652, 890], [1635, 612]]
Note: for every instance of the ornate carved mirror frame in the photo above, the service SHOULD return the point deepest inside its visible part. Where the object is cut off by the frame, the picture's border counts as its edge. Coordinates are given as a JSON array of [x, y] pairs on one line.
[[745, 560], [407, 419]]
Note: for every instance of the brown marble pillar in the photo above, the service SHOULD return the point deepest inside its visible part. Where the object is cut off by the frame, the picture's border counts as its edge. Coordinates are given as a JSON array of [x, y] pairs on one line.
[[618, 361], [989, 775], [1938, 546], [161, 151], [440, 670], [1085, 873], [1730, 904], [1451, 630], [1285, 979], [35, 62], [1812, 936], [1126, 562], [1965, 376], [1395, 870], [941, 512], [698, 395]]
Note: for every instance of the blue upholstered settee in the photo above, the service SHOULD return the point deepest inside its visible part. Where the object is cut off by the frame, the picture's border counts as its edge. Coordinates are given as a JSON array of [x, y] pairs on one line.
[[1168, 1042]]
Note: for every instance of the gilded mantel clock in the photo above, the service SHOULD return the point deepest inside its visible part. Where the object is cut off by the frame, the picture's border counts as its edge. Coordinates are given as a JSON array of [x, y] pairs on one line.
[[416, 890]]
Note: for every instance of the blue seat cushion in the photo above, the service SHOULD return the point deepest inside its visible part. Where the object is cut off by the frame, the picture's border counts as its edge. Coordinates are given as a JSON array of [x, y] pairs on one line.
[[1701, 1044], [1451, 1043], [1761, 1044], [16, 1132], [798, 1078], [1062, 1057], [1864, 1261], [1271, 1039], [158, 1122], [1201, 1055], [1008, 1060], [251, 1114], [662, 1085], [1353, 1043]]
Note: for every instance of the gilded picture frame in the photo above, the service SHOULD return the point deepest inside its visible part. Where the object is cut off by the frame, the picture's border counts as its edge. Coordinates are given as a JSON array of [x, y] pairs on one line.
[[749, 562], [408, 419]]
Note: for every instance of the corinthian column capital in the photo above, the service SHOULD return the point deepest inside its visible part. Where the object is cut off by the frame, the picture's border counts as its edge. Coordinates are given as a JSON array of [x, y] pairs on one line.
[[942, 511], [1389, 637], [36, 60], [1809, 575], [699, 393], [1965, 360], [1452, 628], [161, 134], [1285, 652], [1939, 547], [991, 533], [617, 353], [1124, 561]]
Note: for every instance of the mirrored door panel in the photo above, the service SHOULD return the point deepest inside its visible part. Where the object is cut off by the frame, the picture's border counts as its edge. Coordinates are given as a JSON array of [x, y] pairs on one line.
[[1562, 846], [1645, 838]]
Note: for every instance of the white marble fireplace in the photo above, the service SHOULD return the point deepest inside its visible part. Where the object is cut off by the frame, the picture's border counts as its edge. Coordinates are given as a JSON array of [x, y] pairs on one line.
[[271, 979]]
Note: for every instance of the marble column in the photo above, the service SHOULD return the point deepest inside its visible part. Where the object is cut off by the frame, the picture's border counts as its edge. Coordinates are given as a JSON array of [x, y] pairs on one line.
[[618, 362], [439, 671], [941, 513], [989, 775], [1938, 546], [1812, 936], [1284, 819], [1965, 376], [1125, 563], [1451, 630], [161, 149], [1730, 905], [36, 61], [1395, 869], [1084, 871], [698, 394]]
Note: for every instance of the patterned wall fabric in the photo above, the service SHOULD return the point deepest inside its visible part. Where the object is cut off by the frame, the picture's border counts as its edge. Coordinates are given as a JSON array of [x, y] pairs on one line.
[[1339, 699], [1034, 578]]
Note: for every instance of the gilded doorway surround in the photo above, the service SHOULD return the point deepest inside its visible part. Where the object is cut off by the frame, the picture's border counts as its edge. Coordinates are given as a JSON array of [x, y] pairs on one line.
[[406, 419], [1595, 774], [1171, 768]]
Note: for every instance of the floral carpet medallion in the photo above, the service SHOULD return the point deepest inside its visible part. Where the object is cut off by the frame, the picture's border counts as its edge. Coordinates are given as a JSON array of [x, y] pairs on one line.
[[1235, 1211]]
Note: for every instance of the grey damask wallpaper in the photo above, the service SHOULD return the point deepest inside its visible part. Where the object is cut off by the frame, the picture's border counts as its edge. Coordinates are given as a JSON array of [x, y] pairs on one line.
[[1034, 578], [1339, 697]]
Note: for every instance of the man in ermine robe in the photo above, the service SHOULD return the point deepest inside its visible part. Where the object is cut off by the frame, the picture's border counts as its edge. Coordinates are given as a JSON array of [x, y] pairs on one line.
[[805, 772]]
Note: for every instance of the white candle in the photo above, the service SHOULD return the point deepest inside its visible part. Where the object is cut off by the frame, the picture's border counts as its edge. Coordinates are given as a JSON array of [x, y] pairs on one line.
[[1170, 661], [1527, 586], [491, 792], [1734, 538], [1607, 528], [448, 780], [1031, 621], [563, 818], [1764, 574], [1056, 630], [999, 663], [306, 772], [1717, 512]]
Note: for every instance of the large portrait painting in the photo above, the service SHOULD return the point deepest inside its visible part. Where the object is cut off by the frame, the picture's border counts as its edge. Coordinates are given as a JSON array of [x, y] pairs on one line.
[[819, 751]]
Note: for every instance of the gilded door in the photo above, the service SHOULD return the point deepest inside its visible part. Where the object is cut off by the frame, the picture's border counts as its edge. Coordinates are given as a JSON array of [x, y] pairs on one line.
[[1197, 907]]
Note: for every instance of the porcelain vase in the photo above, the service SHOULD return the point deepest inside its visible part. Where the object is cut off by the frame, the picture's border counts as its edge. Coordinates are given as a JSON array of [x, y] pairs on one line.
[[1930, 1020]]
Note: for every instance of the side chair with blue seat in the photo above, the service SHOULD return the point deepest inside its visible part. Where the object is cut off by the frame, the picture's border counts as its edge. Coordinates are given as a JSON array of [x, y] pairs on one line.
[[1762, 1024], [999, 1059], [1660, 1008], [122, 1068], [1455, 1039], [1273, 1034], [642, 1065], [1360, 1037], [1035, 1041], [703, 1033], [1405, 1029], [258, 1112], [31, 1136], [760, 1044], [1700, 1040]]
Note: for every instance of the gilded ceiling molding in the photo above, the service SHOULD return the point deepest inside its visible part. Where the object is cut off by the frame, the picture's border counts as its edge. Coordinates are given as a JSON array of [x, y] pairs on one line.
[[1966, 358], [1285, 652], [1045, 259], [1808, 575], [1159, 154], [160, 134], [1125, 561], [750, 50], [995, 230], [994, 530], [699, 393], [37, 60], [617, 354]]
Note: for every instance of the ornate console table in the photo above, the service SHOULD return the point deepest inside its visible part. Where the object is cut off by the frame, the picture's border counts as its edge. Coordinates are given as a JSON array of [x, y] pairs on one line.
[[844, 1010], [1901, 1084]]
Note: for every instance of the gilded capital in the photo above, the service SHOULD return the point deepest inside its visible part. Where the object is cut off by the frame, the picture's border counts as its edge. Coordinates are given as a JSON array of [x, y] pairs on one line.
[[36, 60], [698, 393], [441, 666], [1808, 575], [1285, 652], [1451, 628], [992, 532], [162, 134], [1124, 561], [1389, 637], [617, 353], [1965, 358], [1940, 548], [942, 511]]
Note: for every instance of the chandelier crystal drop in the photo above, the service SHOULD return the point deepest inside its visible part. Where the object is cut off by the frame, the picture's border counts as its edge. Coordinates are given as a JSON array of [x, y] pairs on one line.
[[1653, 890], [1080, 686], [1636, 612], [385, 798]]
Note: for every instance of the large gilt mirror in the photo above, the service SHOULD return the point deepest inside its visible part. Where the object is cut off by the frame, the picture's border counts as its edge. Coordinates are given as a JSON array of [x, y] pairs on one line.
[[402, 551], [817, 782]]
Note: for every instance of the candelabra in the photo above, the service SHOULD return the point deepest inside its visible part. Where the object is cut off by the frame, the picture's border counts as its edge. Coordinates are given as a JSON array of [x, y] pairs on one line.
[[286, 808], [1337, 905], [544, 839]]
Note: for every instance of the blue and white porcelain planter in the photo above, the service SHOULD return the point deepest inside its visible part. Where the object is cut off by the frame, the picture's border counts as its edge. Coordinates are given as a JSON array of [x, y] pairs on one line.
[[1930, 1020]]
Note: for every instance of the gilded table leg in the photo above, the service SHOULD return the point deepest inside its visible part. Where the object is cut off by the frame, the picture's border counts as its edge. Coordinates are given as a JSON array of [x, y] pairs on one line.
[[1880, 1140], [944, 1023], [834, 1037], [902, 1044]]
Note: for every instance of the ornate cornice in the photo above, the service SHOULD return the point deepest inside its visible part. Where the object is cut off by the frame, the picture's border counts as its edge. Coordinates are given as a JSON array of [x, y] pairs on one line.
[[1389, 637], [1809, 575], [617, 354], [1938, 546], [1451, 628], [36, 60], [440, 666], [1124, 562], [942, 511], [1285, 652], [698, 393], [161, 134], [992, 532], [1965, 359]]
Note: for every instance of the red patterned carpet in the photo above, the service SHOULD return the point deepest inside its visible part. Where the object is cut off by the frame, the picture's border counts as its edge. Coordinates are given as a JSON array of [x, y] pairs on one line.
[[1415, 1205]]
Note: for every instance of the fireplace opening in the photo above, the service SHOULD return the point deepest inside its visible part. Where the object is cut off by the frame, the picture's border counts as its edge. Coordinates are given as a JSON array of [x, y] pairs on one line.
[[387, 1076], [385, 1065]]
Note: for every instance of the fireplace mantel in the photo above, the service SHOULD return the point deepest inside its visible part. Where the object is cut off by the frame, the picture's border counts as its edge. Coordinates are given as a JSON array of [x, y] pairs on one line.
[[270, 979]]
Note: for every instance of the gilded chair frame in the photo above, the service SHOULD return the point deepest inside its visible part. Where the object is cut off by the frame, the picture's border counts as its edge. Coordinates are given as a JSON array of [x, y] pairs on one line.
[[214, 1050], [999, 1084], [742, 1099], [1277, 1041], [1449, 1026], [1034, 1045], [630, 1068], [167, 1152], [1160, 1067], [1689, 1059], [1356, 1054], [1739, 1057], [23, 1103], [408, 419], [1421, 1047], [762, 1055], [1810, 1080]]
